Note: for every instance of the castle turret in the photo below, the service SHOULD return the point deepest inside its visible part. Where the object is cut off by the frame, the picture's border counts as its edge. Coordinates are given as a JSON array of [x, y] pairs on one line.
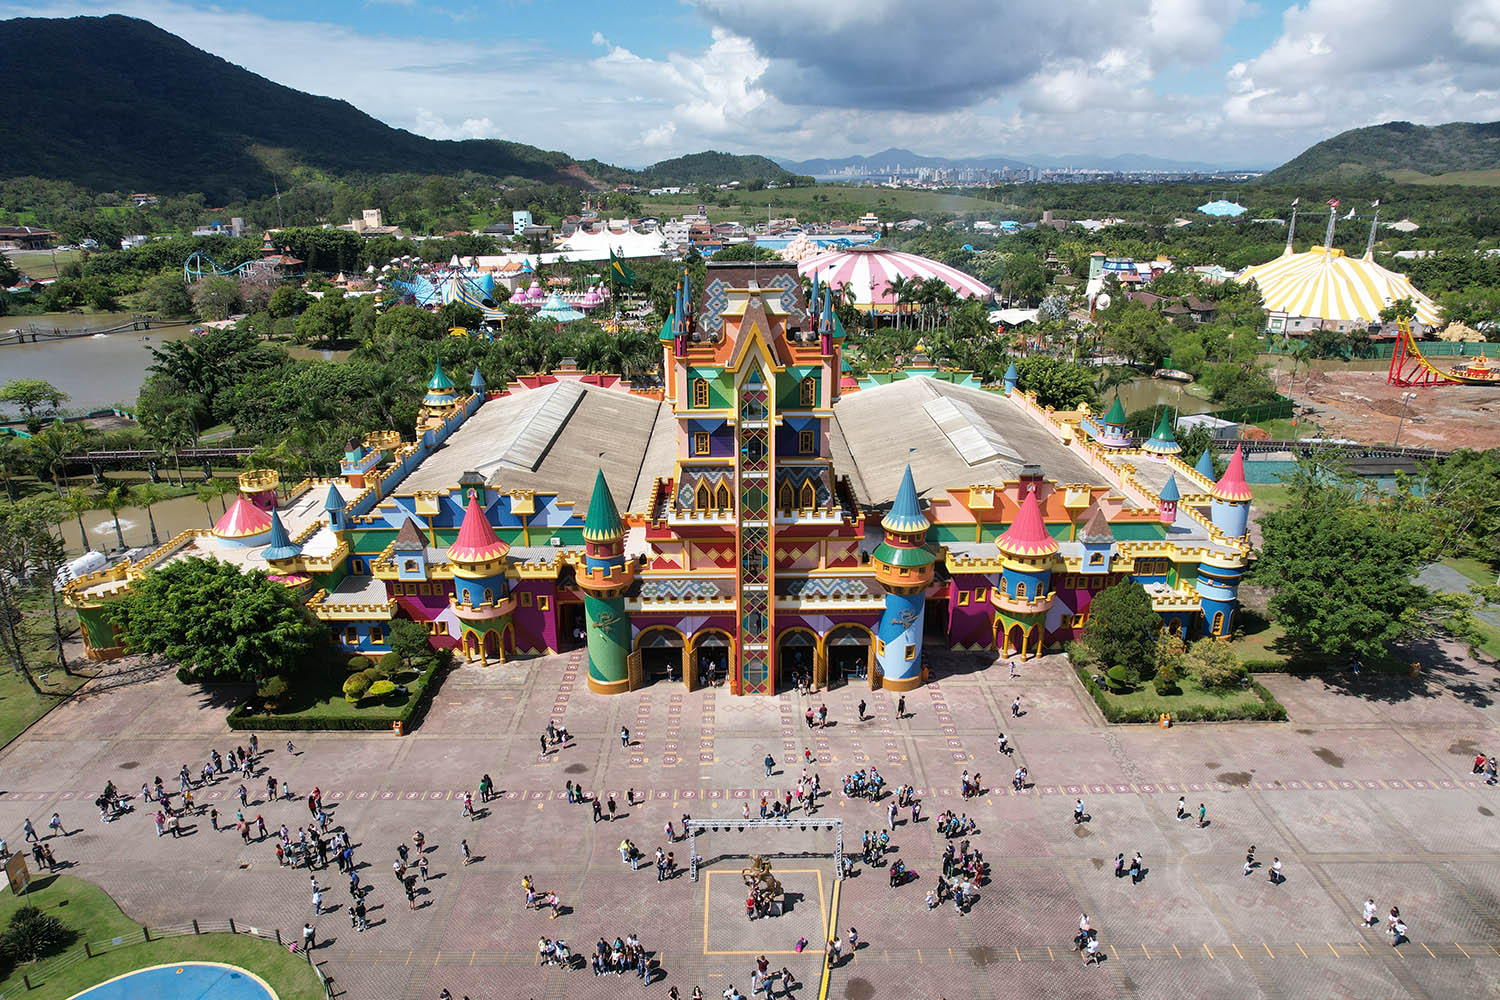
[[280, 551], [243, 524], [604, 578], [1011, 378], [1112, 432], [1024, 596], [1205, 466], [440, 402], [1166, 508], [1163, 441], [903, 566], [477, 384], [1231, 504], [333, 506], [480, 599]]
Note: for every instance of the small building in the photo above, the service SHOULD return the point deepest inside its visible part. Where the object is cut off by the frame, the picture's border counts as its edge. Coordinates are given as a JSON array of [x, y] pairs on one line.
[[25, 238]]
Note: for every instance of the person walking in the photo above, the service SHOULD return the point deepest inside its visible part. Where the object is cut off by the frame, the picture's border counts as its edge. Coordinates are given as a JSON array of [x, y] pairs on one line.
[[1250, 860], [901, 707], [1015, 708], [861, 710], [770, 764], [1275, 878], [468, 855], [55, 824], [624, 737], [309, 936], [1078, 812], [597, 810], [1181, 808], [1135, 869], [1202, 815], [1092, 952], [1120, 865], [317, 901], [1371, 918], [1397, 931], [612, 806]]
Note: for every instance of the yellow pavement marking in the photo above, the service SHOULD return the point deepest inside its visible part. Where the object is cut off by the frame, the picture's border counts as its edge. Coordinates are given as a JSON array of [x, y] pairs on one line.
[[1299, 948], [408, 958], [1331, 948], [1208, 949], [1236, 950], [1049, 953], [471, 957], [1268, 949], [1428, 950], [1018, 954], [950, 955], [1461, 949], [1147, 953], [833, 930], [1116, 951], [435, 957], [1364, 949], [1174, 948], [919, 957]]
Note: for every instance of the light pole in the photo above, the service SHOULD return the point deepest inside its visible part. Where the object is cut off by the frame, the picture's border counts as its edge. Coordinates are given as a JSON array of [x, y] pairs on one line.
[[1406, 398]]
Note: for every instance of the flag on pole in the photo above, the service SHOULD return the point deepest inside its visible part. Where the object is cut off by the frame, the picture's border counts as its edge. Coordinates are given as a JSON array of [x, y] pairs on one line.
[[619, 272], [1351, 213], [1333, 202], [1375, 203], [1294, 201]]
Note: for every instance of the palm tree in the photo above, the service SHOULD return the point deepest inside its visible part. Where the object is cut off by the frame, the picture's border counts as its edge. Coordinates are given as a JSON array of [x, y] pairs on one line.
[[113, 500], [75, 502], [147, 494], [52, 446], [207, 493], [900, 288], [11, 459]]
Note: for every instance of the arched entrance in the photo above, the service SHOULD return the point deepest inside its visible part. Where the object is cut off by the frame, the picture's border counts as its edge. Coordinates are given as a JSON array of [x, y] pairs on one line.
[[796, 654], [708, 661], [1012, 640], [661, 648], [850, 650]]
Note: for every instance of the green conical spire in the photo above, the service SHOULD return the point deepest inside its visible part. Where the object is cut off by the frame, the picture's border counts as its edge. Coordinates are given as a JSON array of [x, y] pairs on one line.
[[603, 521], [1163, 442], [906, 514], [1164, 430], [440, 380], [1116, 415]]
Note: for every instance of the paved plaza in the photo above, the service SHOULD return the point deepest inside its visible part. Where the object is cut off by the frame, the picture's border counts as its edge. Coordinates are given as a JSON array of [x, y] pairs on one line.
[[1366, 792]]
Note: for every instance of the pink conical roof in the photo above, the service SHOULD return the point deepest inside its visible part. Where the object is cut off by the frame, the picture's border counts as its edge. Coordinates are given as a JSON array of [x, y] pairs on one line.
[[1232, 485], [242, 520], [477, 541], [1027, 535]]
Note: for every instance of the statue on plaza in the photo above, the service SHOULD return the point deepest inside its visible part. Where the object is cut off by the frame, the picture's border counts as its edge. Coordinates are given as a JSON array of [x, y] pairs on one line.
[[759, 880]]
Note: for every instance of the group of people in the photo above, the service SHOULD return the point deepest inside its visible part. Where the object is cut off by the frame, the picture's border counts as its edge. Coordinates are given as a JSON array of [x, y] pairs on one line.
[[951, 824], [864, 783], [969, 787], [1395, 926], [1485, 766], [622, 956]]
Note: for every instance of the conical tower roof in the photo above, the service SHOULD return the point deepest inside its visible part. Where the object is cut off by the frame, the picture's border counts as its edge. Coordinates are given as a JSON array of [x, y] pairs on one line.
[[477, 382], [906, 513], [1169, 491], [242, 520], [477, 541], [335, 500], [1116, 415], [1027, 534], [281, 545], [603, 521], [409, 538], [1163, 442], [1010, 373], [1232, 485], [440, 382], [1205, 466], [1096, 530]]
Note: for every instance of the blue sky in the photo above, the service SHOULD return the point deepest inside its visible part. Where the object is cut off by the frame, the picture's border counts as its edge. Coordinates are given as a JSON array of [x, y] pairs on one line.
[[1230, 82]]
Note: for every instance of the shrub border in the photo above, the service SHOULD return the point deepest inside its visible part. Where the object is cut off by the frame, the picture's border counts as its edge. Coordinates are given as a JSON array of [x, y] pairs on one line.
[[249, 716], [1269, 710]]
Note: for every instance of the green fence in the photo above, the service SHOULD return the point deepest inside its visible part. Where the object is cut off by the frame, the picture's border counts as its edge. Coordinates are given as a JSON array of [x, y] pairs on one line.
[[1280, 407], [1382, 351]]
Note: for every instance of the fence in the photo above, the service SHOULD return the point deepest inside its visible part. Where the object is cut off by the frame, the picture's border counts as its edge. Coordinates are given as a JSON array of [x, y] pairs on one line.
[[1279, 408], [1383, 350], [37, 975]]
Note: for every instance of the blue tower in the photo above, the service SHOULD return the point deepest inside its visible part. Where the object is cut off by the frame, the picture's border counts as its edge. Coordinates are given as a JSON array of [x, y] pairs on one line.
[[333, 506], [1231, 504], [1011, 377], [903, 566]]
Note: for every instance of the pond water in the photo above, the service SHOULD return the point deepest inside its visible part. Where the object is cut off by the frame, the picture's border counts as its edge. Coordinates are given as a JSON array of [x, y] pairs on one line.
[[186, 981], [96, 372]]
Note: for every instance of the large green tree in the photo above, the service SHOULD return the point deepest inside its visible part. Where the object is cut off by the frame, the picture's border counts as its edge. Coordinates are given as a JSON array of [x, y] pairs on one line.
[[37, 399], [1122, 630], [1056, 383], [218, 623]]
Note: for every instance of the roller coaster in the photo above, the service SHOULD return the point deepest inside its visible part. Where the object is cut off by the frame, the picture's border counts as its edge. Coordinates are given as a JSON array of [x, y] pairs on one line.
[[200, 265], [1410, 367]]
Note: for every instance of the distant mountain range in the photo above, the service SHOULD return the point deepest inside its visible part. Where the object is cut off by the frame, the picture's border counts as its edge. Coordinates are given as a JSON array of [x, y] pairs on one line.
[[888, 160], [1397, 151]]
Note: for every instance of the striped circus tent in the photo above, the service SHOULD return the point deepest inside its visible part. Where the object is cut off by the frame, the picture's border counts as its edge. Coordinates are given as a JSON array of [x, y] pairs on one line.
[[1325, 284], [867, 273]]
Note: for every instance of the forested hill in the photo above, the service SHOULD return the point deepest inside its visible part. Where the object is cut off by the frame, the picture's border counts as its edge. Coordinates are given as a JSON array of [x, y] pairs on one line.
[[1398, 151], [716, 168], [116, 103]]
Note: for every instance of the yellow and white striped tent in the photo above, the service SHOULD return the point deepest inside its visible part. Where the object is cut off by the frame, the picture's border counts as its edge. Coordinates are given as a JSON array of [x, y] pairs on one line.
[[1325, 284]]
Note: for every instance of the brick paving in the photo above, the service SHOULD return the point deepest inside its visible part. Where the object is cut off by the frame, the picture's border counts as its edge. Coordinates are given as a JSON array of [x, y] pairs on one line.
[[1366, 792]]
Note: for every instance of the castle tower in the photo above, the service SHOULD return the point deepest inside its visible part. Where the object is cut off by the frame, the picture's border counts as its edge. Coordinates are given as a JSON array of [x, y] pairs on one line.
[[1024, 596], [481, 599], [604, 578], [440, 402], [1205, 466], [1166, 509], [243, 525], [1011, 378], [477, 384], [1231, 505], [903, 566], [1163, 442], [258, 486], [333, 506], [283, 556], [1112, 433]]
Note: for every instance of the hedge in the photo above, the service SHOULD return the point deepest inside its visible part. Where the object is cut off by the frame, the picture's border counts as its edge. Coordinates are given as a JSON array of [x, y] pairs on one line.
[[1269, 710], [249, 715]]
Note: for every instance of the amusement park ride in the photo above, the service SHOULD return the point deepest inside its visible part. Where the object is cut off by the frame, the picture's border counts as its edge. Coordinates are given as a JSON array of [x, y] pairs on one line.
[[1409, 367]]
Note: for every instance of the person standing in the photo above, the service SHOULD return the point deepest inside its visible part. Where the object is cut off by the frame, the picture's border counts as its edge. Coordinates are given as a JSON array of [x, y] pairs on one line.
[[861, 710], [1250, 859], [624, 737], [1135, 869], [1077, 812], [1015, 708], [317, 901], [1275, 878], [1120, 865], [1370, 916], [1092, 958], [1202, 815], [901, 707], [770, 764], [1181, 808], [309, 936]]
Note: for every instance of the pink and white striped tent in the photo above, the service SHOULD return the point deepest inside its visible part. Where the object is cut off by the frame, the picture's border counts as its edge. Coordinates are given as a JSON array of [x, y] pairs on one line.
[[868, 270]]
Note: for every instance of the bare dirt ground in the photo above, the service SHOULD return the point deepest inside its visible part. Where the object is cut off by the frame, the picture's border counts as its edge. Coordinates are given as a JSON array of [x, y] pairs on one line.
[[1362, 407]]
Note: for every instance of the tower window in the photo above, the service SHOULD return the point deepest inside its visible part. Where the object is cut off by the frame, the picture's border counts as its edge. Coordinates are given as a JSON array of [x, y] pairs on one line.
[[785, 498], [703, 499], [700, 392], [700, 443], [809, 497], [806, 442], [1020, 590], [808, 391], [721, 497]]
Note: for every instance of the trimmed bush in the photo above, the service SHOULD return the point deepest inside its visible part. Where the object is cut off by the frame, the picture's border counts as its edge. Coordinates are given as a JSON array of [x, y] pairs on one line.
[[250, 716], [1119, 679], [1269, 709], [355, 687], [380, 689], [1165, 680]]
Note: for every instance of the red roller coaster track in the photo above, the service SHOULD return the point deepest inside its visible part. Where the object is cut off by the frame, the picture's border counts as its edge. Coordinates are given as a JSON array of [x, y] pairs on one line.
[[1409, 367]]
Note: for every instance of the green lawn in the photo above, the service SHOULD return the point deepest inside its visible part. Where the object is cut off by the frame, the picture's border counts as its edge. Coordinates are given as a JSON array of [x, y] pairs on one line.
[[20, 706], [1145, 700], [1270, 497], [323, 700], [43, 264], [95, 918]]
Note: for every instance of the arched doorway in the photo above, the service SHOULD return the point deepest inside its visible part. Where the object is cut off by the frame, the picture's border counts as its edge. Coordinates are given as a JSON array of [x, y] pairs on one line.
[[708, 660], [1011, 640], [661, 648], [796, 654], [849, 654], [491, 645]]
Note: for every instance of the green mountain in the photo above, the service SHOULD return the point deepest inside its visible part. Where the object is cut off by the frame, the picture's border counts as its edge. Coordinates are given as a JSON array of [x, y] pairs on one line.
[[1397, 151], [117, 103], [715, 168]]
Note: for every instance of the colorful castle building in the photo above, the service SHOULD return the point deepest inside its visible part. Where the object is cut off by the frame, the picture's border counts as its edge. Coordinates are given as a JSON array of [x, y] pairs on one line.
[[763, 514]]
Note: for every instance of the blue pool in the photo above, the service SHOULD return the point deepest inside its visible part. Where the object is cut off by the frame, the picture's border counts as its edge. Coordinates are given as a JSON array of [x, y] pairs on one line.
[[186, 981]]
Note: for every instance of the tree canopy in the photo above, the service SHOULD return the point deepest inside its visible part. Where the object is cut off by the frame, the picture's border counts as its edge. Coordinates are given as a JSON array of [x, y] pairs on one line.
[[1122, 630], [218, 623]]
